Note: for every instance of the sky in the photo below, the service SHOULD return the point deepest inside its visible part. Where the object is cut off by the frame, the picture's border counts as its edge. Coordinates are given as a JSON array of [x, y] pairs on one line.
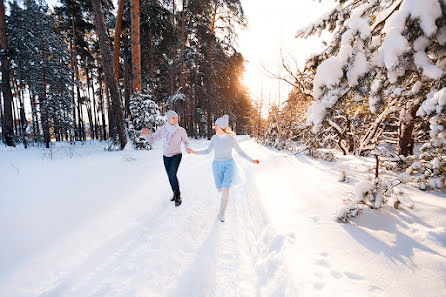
[[271, 27]]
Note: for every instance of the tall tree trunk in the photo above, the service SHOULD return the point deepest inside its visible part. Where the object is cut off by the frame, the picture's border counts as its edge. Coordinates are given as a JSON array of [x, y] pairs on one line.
[[44, 109], [14, 118], [78, 93], [96, 120], [152, 67], [34, 117], [117, 41], [1, 118], [172, 66], [23, 121], [6, 87], [110, 74], [101, 105], [126, 79], [76, 131], [183, 42], [136, 47], [90, 106], [210, 81]]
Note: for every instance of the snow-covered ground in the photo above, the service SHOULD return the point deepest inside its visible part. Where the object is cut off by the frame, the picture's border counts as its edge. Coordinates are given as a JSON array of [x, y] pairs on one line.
[[85, 222]]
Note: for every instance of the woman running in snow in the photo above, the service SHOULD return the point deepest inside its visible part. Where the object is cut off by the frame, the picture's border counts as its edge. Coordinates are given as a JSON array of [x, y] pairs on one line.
[[223, 166], [172, 135]]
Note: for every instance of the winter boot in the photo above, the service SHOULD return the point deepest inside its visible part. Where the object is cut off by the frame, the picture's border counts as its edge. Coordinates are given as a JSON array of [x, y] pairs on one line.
[[177, 198], [173, 197]]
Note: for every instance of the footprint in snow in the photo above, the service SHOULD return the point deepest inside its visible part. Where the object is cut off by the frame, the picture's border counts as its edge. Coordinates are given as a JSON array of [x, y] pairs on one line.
[[322, 262], [336, 274], [353, 276]]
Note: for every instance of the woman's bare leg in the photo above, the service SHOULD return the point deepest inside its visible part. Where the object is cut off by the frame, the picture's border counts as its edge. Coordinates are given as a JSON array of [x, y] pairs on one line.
[[223, 204]]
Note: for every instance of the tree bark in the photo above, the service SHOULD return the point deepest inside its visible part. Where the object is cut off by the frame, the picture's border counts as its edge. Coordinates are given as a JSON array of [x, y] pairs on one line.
[[76, 136], [136, 47], [6, 86], [110, 74], [406, 129], [44, 110], [96, 120], [126, 82], [210, 82], [152, 67], [101, 105], [117, 42], [81, 127], [1, 118]]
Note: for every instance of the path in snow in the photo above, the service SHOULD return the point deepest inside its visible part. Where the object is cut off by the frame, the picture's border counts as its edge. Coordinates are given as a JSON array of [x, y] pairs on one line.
[[119, 235]]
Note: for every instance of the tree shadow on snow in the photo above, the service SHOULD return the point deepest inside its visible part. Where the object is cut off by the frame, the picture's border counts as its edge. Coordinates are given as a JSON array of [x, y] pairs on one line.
[[400, 223]]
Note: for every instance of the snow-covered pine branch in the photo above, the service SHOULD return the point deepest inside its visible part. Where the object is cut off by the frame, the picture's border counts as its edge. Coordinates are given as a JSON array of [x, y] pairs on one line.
[[145, 113]]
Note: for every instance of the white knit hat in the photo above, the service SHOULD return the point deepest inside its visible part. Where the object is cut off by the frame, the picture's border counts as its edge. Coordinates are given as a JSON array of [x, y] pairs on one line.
[[223, 122], [170, 114]]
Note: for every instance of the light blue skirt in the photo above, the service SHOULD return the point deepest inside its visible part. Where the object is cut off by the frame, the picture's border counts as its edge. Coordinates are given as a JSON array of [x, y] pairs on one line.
[[225, 173]]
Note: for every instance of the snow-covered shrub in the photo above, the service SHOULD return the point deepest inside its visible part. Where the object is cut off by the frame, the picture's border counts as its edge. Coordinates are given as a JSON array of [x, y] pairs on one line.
[[374, 193], [343, 177], [350, 210], [144, 114], [323, 154]]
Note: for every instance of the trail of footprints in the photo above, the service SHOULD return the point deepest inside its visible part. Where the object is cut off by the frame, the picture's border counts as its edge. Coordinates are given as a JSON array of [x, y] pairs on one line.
[[324, 270]]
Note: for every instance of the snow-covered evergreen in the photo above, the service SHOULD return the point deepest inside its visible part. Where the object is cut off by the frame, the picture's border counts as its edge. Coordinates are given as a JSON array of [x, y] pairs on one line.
[[379, 51], [145, 113], [387, 61]]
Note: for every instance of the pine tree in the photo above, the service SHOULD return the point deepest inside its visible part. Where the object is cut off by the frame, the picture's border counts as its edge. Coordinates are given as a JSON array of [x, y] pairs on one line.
[[145, 113], [388, 52]]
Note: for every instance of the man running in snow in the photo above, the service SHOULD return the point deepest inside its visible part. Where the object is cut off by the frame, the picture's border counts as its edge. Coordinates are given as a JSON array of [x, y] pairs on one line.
[[172, 135]]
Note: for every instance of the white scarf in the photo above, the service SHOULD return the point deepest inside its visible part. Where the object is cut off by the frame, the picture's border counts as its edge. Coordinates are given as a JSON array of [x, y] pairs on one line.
[[170, 131]]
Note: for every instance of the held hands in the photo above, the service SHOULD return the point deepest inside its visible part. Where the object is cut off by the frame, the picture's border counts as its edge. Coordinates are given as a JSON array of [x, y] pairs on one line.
[[145, 131], [256, 161], [190, 151]]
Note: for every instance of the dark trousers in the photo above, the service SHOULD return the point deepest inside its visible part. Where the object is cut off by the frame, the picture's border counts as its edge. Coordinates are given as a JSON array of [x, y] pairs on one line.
[[171, 164]]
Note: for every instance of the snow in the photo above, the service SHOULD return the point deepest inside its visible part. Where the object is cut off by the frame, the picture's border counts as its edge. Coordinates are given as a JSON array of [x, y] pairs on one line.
[[429, 69], [373, 103], [393, 47], [85, 222], [358, 24], [435, 101], [385, 14], [395, 44], [421, 59], [328, 74], [427, 11], [441, 35], [404, 177], [416, 87], [362, 189], [359, 67]]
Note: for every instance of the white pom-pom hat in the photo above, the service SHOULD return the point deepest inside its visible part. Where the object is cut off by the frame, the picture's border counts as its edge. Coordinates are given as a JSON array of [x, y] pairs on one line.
[[223, 122]]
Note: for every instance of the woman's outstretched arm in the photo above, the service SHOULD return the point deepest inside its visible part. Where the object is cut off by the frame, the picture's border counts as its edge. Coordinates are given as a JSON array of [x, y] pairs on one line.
[[241, 152], [206, 151], [151, 138]]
